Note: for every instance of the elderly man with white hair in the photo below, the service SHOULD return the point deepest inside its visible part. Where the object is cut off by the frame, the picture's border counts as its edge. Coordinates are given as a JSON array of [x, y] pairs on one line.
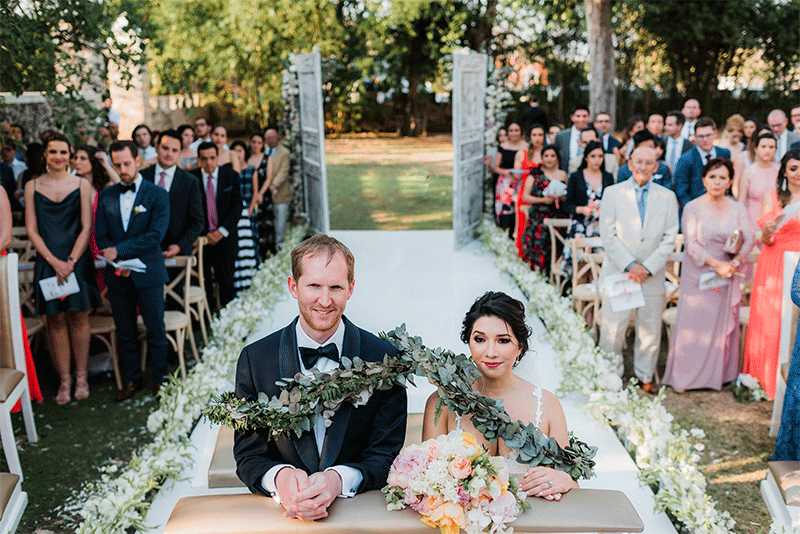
[[638, 225], [778, 121]]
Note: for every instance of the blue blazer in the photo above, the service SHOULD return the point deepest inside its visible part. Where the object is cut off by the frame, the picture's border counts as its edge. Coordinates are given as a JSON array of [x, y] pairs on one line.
[[662, 176], [145, 231], [687, 181]]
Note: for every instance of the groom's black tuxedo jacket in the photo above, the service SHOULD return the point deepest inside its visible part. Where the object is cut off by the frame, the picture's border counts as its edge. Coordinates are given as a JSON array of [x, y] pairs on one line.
[[366, 438]]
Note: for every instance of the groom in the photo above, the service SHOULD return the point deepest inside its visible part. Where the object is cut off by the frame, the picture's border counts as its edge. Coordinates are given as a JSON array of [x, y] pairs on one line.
[[354, 454]]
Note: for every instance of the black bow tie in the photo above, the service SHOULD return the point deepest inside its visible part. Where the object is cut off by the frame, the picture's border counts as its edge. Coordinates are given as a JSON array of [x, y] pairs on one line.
[[310, 356], [127, 188]]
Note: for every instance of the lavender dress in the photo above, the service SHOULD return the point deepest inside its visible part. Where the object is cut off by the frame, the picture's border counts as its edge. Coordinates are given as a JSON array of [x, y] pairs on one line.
[[704, 353]]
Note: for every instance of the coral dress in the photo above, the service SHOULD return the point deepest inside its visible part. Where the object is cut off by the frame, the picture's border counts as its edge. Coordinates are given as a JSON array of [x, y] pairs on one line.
[[764, 331], [523, 207]]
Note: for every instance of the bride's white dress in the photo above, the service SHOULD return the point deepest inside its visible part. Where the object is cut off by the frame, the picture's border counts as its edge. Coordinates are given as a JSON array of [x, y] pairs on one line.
[[514, 467]]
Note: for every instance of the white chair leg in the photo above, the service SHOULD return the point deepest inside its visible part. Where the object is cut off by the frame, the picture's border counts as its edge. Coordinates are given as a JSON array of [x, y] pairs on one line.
[[181, 335], [9, 442], [27, 416]]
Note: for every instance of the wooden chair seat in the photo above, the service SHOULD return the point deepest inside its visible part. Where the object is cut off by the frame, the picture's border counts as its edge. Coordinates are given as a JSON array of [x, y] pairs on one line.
[[8, 483], [173, 320], [580, 510], [585, 292], [33, 325], [9, 378], [787, 476], [196, 294], [785, 371], [744, 315]]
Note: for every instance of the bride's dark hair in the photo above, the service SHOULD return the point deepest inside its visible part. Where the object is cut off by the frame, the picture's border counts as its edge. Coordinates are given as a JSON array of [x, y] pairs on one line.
[[498, 304]]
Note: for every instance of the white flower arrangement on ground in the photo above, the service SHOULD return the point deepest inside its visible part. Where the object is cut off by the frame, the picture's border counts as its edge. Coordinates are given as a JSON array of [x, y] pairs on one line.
[[748, 389], [119, 500], [455, 484], [666, 455]]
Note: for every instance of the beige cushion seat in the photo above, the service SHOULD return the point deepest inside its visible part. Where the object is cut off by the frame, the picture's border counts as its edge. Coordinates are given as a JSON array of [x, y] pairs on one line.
[[173, 320], [787, 477], [9, 378], [580, 510], [585, 291], [33, 325], [785, 371], [8, 483], [196, 294]]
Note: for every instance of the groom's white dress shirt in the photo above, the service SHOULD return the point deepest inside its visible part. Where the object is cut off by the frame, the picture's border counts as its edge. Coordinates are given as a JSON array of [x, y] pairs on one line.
[[351, 477]]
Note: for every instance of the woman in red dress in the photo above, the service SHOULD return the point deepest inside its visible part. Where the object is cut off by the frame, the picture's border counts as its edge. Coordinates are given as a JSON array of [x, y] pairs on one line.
[[780, 223], [527, 160]]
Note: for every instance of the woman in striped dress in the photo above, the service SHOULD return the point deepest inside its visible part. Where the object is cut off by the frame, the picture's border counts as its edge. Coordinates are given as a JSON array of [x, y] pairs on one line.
[[247, 259]]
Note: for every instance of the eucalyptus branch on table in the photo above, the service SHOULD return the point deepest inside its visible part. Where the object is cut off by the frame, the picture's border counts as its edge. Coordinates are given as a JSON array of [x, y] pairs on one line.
[[321, 394]]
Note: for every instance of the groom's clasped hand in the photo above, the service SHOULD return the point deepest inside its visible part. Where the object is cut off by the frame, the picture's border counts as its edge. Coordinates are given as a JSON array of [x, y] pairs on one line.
[[307, 497]]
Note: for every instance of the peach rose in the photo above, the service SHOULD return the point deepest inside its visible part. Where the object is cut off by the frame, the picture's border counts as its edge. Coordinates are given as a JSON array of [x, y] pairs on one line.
[[460, 468]]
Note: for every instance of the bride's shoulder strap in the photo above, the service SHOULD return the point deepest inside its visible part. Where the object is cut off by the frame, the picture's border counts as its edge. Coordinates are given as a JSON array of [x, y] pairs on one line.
[[538, 394]]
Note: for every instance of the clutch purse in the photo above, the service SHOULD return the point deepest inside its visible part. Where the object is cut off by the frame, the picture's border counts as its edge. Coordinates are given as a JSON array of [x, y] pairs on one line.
[[734, 242]]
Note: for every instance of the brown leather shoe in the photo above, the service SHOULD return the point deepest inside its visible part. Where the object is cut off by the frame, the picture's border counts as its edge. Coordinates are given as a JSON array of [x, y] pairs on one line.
[[650, 387], [128, 390], [156, 389]]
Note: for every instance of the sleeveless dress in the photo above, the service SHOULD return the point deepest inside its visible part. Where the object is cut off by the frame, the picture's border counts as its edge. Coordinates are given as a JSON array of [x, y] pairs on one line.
[[514, 467], [763, 331], [59, 225], [265, 218], [521, 207], [506, 191], [787, 446], [246, 258], [535, 239]]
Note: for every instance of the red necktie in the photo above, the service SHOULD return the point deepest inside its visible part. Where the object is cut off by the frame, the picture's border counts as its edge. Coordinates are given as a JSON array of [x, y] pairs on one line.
[[161, 182], [211, 202]]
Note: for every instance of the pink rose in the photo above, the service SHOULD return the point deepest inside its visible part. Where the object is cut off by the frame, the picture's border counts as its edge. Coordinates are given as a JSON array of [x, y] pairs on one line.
[[460, 468], [411, 462], [397, 479], [411, 498]]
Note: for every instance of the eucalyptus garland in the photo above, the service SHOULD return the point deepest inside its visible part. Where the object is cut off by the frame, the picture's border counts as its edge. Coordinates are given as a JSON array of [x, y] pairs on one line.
[[321, 394]]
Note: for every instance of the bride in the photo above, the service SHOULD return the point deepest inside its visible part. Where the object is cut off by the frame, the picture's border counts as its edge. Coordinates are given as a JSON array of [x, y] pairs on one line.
[[495, 331]]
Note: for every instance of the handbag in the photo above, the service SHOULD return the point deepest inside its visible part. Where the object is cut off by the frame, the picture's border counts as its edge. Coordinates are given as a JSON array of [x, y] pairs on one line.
[[734, 242]]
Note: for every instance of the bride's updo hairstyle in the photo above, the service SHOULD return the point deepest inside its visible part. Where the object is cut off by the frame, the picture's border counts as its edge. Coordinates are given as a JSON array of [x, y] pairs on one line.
[[498, 304]]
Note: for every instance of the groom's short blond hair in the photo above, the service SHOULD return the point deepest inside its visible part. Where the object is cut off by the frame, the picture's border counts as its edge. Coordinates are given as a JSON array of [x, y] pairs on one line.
[[321, 244]]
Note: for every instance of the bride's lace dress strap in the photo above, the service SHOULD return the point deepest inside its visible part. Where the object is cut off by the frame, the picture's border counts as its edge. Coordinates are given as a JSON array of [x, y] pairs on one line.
[[537, 394], [458, 422]]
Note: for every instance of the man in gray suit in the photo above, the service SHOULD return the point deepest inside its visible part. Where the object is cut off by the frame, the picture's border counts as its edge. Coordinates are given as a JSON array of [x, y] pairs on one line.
[[676, 143], [638, 226], [567, 140], [778, 121]]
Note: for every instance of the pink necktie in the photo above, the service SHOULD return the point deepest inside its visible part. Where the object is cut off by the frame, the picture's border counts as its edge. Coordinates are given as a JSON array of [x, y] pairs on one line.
[[161, 183], [211, 202]]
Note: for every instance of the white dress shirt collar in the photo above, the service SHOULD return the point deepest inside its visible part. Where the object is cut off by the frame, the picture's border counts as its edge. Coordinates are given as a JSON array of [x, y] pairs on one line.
[[574, 135], [168, 176], [305, 341], [126, 201]]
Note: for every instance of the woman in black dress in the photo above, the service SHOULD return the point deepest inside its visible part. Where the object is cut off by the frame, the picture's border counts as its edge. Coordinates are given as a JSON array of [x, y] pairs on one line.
[[508, 183], [58, 213]]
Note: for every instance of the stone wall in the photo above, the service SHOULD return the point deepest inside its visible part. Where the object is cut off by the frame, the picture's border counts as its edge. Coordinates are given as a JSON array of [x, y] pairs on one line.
[[31, 110]]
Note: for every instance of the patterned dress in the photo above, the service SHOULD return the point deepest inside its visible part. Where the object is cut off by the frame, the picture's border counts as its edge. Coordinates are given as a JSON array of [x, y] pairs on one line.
[[246, 258], [787, 446], [536, 239]]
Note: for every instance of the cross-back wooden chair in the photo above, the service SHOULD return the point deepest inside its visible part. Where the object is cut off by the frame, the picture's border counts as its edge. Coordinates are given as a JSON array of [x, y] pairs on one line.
[[557, 240]]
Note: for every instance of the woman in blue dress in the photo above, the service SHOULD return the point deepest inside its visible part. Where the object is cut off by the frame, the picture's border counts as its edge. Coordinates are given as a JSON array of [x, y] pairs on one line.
[[787, 447]]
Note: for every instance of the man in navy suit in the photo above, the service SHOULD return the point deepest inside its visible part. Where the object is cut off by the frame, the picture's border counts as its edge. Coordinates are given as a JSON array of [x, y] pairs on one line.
[[305, 474], [662, 175], [688, 181], [222, 206], [185, 207], [131, 220]]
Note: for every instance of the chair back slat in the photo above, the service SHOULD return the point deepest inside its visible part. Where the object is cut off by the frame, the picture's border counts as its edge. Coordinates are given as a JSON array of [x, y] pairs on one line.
[[181, 280], [12, 354]]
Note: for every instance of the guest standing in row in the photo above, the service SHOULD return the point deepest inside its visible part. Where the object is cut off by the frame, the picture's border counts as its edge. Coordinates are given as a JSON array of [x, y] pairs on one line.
[[58, 214], [536, 238], [143, 137], [508, 183], [187, 159], [689, 170], [246, 255], [780, 233], [279, 186], [787, 446], [758, 179], [527, 160], [219, 136], [566, 141], [704, 353]]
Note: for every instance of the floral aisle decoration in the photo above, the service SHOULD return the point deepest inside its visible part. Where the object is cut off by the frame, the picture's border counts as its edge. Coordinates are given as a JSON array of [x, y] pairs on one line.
[[748, 389], [321, 394], [455, 484], [119, 500], [290, 91], [666, 455]]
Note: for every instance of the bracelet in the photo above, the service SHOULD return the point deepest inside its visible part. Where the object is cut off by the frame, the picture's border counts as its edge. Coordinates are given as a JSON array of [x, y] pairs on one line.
[[73, 260]]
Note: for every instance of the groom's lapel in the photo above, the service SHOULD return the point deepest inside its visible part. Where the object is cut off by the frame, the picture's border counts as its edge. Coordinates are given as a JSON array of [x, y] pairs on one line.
[[306, 444], [334, 436]]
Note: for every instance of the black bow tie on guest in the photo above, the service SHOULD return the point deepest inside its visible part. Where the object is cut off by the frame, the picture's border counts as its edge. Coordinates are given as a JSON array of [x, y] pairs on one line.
[[310, 356], [127, 188]]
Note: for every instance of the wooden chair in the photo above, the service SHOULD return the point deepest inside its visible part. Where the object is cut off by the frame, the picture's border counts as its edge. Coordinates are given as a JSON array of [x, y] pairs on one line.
[[102, 327], [198, 301], [177, 322], [585, 265], [13, 379], [744, 311], [557, 275]]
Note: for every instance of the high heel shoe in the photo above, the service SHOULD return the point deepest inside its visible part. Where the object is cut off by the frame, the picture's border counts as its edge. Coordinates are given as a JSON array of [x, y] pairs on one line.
[[63, 390], [81, 387]]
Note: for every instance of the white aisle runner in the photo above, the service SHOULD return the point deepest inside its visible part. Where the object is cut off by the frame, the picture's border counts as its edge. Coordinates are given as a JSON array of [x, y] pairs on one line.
[[416, 278]]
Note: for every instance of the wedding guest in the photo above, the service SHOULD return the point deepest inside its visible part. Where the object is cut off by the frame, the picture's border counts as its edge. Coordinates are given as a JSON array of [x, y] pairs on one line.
[[246, 255], [677, 145], [494, 329], [638, 226], [794, 115], [202, 130], [704, 353], [277, 181], [687, 180], [752, 129], [305, 474], [758, 179], [567, 140], [9, 157], [602, 123], [132, 220], [34, 159], [655, 124], [9, 184], [635, 124], [781, 233], [584, 195], [143, 136], [219, 136], [222, 207], [552, 132], [256, 144], [187, 159], [508, 183], [533, 114], [58, 213], [610, 162], [536, 238], [787, 446], [113, 131], [732, 136], [691, 112], [527, 160], [778, 121], [662, 176], [186, 219]]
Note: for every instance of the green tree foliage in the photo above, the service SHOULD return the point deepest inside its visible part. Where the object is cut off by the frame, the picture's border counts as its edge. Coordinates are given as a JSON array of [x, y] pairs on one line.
[[63, 47]]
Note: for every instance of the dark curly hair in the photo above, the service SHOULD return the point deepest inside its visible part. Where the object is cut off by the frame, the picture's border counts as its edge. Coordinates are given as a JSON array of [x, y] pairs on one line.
[[498, 304]]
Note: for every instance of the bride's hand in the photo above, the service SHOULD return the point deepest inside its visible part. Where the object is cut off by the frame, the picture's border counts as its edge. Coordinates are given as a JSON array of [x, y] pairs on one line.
[[546, 482]]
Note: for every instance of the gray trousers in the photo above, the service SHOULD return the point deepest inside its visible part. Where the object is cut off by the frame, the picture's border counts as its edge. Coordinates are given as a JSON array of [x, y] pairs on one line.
[[281, 212]]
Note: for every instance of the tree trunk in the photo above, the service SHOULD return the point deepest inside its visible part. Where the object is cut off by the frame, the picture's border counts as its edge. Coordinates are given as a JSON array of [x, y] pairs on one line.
[[602, 93]]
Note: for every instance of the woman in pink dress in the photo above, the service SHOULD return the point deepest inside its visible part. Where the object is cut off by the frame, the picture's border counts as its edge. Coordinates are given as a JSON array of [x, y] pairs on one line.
[[705, 343], [781, 233], [759, 178]]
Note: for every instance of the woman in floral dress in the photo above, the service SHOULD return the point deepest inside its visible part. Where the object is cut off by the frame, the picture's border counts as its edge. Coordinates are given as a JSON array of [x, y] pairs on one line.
[[536, 237]]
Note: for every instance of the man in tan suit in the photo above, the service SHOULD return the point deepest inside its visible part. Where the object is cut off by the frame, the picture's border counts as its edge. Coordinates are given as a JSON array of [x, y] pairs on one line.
[[280, 187], [638, 225]]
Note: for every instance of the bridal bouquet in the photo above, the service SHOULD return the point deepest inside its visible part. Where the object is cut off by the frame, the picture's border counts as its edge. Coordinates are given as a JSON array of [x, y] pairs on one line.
[[455, 484]]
